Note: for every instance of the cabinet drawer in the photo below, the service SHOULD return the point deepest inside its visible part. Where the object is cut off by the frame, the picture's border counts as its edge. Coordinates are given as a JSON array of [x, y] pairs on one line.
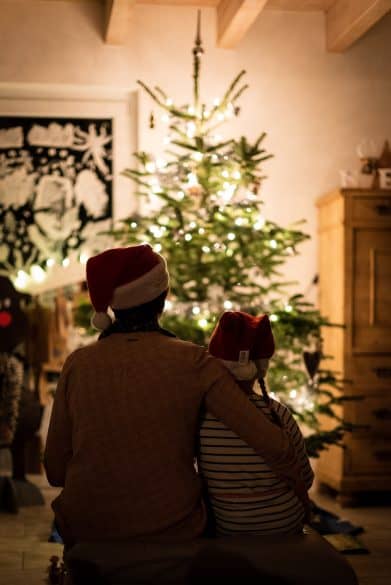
[[373, 413], [368, 456], [371, 373], [372, 208]]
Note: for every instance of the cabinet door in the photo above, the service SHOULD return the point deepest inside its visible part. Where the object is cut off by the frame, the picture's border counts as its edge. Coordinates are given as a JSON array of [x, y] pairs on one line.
[[371, 325]]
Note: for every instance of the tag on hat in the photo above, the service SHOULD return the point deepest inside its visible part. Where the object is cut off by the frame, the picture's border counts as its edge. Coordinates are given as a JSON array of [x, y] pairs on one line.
[[243, 356]]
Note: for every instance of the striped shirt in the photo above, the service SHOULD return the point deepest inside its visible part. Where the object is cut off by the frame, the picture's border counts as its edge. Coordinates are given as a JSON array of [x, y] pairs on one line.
[[245, 495]]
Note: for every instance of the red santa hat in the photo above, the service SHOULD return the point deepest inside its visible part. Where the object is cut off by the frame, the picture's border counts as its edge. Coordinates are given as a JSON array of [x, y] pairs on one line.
[[123, 278], [244, 343]]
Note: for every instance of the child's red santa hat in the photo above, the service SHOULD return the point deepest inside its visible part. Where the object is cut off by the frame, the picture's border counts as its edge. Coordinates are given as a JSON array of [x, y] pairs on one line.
[[244, 343], [123, 278]]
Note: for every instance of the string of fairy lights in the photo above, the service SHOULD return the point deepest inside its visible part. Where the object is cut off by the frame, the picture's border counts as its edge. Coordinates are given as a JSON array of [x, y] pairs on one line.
[[36, 274]]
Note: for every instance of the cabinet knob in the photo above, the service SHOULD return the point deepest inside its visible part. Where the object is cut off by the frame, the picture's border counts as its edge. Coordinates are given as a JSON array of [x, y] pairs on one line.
[[382, 413], [382, 372], [383, 455], [383, 209]]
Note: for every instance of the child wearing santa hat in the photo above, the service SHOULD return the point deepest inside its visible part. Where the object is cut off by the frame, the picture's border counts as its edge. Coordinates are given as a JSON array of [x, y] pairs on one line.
[[244, 493]]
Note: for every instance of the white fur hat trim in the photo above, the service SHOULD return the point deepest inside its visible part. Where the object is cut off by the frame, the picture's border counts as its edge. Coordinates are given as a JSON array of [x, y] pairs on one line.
[[143, 289], [240, 371]]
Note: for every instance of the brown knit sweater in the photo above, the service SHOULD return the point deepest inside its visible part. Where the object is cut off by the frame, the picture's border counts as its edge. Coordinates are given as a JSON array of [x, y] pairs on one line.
[[122, 437]]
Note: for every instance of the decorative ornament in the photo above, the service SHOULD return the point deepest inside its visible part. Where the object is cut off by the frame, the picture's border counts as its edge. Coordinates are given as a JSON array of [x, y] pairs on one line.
[[312, 361], [385, 157], [194, 191], [55, 571], [368, 152]]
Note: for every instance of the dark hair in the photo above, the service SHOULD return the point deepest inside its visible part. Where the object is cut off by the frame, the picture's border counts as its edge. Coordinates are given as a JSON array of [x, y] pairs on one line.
[[266, 397], [144, 312], [141, 318]]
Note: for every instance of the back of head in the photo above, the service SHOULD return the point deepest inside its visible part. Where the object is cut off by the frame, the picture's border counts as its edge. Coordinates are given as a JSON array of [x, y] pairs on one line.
[[244, 343], [126, 279], [142, 313]]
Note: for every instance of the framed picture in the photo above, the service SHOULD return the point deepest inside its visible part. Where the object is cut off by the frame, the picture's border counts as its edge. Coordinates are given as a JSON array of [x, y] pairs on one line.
[[62, 150]]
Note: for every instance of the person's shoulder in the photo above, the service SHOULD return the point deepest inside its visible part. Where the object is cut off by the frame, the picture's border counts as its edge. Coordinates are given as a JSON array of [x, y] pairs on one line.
[[80, 354], [187, 348], [196, 355], [187, 345]]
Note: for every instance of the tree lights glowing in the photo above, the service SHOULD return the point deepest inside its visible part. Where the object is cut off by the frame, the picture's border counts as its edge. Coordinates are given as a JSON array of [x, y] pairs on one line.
[[38, 274], [222, 253]]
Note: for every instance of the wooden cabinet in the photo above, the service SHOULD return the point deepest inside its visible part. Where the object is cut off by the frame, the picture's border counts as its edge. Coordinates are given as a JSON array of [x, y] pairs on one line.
[[355, 291]]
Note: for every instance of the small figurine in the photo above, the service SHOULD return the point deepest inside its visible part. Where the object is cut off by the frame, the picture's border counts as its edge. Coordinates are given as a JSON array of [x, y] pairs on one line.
[[56, 571]]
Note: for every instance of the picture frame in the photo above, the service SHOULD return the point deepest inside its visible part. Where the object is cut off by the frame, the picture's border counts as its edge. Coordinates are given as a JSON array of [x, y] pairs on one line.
[[87, 112]]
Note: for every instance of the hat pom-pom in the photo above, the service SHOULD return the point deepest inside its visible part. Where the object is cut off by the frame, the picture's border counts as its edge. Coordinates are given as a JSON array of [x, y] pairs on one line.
[[101, 320]]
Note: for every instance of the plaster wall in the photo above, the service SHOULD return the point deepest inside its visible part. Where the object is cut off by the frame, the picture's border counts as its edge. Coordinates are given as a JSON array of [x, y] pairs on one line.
[[315, 106]]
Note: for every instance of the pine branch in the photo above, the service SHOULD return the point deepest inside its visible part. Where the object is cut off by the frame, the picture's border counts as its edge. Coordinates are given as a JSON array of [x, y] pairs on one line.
[[160, 92], [239, 93], [149, 91], [233, 85]]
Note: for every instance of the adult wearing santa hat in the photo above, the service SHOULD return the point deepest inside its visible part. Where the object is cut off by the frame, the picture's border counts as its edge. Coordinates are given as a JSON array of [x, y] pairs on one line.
[[123, 278], [123, 430]]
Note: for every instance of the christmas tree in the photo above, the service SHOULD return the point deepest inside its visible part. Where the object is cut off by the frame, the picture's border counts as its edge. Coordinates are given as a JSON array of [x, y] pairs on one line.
[[200, 207]]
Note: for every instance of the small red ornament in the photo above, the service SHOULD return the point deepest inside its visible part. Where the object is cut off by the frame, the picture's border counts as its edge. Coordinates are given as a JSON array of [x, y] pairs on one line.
[[5, 318], [194, 191]]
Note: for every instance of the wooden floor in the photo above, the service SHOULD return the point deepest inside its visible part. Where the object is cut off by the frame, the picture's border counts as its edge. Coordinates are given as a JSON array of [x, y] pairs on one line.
[[25, 552], [374, 568]]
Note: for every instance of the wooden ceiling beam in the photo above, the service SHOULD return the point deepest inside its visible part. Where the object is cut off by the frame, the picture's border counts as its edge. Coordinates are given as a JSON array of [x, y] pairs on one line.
[[348, 20], [117, 20], [234, 18]]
